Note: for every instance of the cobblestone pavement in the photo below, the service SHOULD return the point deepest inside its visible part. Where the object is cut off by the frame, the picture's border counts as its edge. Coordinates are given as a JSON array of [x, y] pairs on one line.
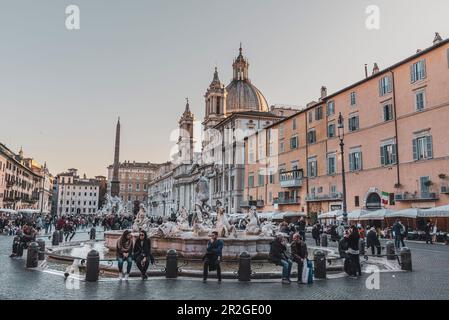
[[429, 280]]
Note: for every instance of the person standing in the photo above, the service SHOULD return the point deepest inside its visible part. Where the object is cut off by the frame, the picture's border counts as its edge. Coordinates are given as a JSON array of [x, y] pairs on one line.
[[299, 254], [398, 231], [316, 233], [353, 253], [302, 228], [124, 251], [213, 255], [278, 256], [142, 253], [372, 241], [428, 231], [341, 231]]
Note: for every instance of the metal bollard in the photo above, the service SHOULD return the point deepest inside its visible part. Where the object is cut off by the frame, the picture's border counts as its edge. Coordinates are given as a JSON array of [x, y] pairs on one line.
[[244, 273], [92, 233], [406, 259], [390, 250], [41, 252], [55, 238], [32, 255], [362, 247], [171, 267], [92, 266], [61, 236], [319, 260], [324, 240]]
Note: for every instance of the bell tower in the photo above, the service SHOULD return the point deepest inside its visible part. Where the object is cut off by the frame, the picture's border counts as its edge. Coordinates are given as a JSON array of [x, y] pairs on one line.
[[240, 66], [185, 141], [215, 102]]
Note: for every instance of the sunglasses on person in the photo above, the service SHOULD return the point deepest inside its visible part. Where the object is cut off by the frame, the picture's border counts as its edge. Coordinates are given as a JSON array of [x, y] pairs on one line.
[[141, 235]]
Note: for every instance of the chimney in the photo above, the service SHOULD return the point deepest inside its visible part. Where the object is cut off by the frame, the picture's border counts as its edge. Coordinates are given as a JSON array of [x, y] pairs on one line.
[[437, 38], [375, 68], [323, 92], [366, 70]]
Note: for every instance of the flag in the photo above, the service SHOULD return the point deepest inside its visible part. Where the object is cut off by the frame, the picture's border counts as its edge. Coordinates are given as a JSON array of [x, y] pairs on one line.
[[385, 198]]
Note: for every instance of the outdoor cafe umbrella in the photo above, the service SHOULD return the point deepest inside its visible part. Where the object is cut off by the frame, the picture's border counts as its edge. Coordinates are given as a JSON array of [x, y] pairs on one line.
[[356, 214], [296, 214], [331, 214]]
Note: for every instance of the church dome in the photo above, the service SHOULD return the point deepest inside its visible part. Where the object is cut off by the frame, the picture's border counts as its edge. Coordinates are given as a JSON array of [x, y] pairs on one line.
[[243, 96]]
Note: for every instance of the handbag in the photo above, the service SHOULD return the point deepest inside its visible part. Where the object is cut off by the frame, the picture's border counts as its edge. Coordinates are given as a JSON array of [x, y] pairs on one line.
[[305, 273]]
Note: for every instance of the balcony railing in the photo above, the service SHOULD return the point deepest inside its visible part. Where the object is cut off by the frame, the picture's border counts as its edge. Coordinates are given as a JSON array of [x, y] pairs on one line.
[[423, 196], [324, 197], [282, 201], [291, 179], [251, 203]]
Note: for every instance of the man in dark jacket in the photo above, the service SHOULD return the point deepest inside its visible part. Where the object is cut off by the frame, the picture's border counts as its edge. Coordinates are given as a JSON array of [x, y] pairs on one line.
[[428, 231], [302, 228], [299, 253], [398, 230], [142, 253], [278, 255], [372, 241], [213, 256], [316, 232], [353, 252]]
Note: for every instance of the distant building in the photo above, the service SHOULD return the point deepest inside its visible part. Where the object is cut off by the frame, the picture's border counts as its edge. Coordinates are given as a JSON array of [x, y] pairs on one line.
[[76, 195], [24, 184]]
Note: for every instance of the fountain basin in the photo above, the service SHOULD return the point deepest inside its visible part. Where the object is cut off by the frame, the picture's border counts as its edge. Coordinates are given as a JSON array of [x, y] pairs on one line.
[[190, 247]]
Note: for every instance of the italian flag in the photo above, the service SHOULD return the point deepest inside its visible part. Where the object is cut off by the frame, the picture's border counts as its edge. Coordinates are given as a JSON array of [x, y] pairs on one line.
[[385, 198]]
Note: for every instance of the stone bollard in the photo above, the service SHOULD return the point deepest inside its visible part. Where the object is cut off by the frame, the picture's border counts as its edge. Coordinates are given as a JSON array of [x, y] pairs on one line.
[[406, 259], [55, 238], [41, 253], [390, 250], [92, 233], [171, 267], [32, 255], [17, 248], [362, 247], [244, 273], [61, 236], [92, 266], [319, 260], [324, 240]]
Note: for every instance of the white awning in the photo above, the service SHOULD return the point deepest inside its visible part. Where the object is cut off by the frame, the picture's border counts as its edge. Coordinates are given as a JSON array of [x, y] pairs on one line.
[[294, 214], [406, 213], [438, 212], [356, 214], [11, 211], [376, 215]]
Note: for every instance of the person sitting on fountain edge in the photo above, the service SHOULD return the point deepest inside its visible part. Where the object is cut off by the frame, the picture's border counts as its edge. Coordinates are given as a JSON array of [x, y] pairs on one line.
[[278, 255], [142, 253], [124, 251], [212, 258]]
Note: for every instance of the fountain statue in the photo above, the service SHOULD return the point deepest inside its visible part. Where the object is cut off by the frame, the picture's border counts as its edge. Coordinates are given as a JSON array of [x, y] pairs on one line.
[[201, 215], [253, 225], [223, 227], [141, 222], [183, 219]]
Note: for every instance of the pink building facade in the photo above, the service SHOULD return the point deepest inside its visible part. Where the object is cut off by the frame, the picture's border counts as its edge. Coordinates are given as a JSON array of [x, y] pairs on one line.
[[396, 146]]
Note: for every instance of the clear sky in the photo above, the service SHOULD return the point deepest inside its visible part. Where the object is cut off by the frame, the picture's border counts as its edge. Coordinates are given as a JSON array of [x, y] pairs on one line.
[[61, 91]]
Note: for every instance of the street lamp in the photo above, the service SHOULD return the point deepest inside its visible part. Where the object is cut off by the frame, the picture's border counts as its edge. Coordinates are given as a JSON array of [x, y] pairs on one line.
[[341, 136]]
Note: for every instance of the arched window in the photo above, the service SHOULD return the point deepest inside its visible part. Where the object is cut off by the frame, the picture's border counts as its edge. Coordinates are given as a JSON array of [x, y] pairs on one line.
[[373, 202]]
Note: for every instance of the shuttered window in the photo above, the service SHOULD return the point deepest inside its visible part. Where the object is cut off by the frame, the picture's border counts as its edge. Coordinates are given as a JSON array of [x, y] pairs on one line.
[[388, 154], [422, 148], [418, 71]]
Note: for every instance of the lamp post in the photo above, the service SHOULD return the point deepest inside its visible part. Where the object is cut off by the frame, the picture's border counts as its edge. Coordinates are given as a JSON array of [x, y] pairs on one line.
[[341, 136]]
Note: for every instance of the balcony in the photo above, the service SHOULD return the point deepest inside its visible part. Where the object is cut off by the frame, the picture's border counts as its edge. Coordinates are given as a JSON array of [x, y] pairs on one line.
[[337, 196], [251, 203], [291, 179], [423, 196], [283, 201]]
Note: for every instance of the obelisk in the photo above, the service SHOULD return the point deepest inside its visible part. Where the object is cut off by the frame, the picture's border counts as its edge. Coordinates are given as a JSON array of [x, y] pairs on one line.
[[115, 183]]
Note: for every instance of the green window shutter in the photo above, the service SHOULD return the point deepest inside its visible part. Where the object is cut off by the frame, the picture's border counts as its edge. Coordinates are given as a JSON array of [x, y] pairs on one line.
[[351, 162], [415, 149], [395, 153], [380, 88], [412, 73], [429, 147], [423, 70], [382, 156]]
